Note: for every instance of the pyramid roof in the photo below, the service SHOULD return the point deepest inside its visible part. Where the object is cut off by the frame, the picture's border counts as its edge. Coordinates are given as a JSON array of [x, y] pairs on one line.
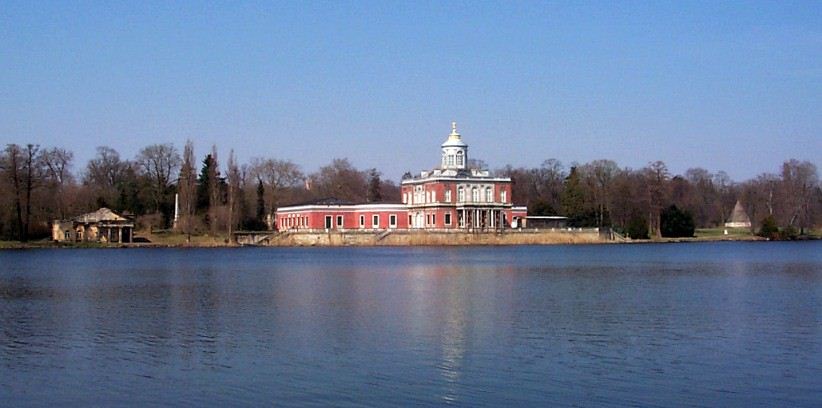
[[738, 215]]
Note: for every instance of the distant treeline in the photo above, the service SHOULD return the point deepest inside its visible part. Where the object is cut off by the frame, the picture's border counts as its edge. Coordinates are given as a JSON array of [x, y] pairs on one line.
[[39, 184]]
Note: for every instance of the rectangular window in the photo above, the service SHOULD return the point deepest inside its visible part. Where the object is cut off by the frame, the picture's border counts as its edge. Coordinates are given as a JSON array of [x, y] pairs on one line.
[[327, 222], [434, 219], [375, 221], [362, 221], [447, 196], [489, 195], [392, 220], [502, 195], [339, 220], [448, 218], [461, 195]]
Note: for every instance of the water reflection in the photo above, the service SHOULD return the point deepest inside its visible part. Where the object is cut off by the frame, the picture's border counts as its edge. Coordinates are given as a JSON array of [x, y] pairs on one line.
[[622, 325]]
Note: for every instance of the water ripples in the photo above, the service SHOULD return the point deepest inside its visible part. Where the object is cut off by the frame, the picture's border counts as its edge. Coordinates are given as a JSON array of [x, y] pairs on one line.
[[520, 326]]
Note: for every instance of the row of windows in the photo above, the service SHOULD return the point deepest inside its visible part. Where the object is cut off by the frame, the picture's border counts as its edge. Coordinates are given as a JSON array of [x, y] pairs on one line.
[[485, 194], [430, 220], [294, 222], [335, 221], [375, 221]]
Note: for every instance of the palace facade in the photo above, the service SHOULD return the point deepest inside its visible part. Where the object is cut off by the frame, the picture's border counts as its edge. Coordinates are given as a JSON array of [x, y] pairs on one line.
[[451, 197]]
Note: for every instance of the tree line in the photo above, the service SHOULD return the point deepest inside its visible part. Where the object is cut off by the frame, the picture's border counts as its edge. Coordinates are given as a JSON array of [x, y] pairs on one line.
[[635, 201], [40, 184]]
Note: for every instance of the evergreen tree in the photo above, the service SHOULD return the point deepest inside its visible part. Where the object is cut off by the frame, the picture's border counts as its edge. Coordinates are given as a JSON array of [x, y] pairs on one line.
[[541, 207], [215, 191], [128, 193], [260, 203], [637, 227], [769, 228], [203, 183], [575, 206], [675, 223], [374, 186]]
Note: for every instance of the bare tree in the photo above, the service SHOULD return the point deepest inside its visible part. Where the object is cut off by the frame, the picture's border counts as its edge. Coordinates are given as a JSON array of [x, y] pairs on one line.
[[758, 197], [57, 162], [12, 168], [278, 177], [187, 189], [704, 201], [656, 176], [104, 173], [234, 191], [159, 164], [799, 184], [630, 202], [24, 169], [341, 180], [598, 175], [477, 164], [538, 188], [727, 196]]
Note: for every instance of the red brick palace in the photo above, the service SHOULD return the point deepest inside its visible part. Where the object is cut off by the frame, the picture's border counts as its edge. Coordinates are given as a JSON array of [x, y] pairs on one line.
[[450, 197]]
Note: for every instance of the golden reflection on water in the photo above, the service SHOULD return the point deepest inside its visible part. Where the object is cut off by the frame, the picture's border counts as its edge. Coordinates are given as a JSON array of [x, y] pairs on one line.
[[443, 287], [453, 344]]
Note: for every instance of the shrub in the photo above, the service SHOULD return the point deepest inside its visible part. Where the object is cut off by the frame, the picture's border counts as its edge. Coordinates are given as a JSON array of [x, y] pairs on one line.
[[789, 232], [676, 223], [769, 229], [637, 228]]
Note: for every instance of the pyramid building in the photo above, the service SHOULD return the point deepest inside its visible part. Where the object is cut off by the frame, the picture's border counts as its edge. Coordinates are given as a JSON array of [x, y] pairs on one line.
[[739, 218]]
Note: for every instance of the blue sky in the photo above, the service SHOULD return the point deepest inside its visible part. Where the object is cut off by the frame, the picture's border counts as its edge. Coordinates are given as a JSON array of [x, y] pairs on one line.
[[733, 86]]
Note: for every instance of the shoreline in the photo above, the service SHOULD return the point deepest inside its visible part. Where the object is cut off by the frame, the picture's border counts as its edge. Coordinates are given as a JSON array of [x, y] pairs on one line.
[[14, 245]]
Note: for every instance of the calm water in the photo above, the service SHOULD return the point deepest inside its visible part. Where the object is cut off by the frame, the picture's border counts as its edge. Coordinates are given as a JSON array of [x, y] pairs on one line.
[[718, 324]]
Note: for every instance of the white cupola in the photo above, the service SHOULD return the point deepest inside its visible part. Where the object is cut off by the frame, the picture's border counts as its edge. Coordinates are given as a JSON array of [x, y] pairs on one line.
[[454, 151]]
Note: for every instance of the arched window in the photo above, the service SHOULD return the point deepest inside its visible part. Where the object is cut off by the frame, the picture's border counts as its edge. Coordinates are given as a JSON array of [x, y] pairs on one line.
[[460, 158], [489, 195], [461, 194], [474, 194]]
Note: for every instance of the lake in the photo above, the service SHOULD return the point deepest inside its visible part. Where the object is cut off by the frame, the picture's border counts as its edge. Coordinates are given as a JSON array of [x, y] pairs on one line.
[[696, 324]]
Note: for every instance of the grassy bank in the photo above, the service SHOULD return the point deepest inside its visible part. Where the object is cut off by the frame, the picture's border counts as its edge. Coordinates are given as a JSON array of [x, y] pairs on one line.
[[719, 234]]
